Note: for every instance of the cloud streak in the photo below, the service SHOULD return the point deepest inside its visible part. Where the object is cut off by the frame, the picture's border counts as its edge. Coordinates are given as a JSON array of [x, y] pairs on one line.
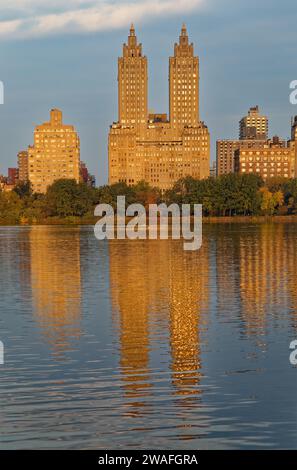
[[84, 16]]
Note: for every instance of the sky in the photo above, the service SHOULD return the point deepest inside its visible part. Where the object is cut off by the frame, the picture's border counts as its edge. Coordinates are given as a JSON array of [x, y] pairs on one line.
[[64, 54]]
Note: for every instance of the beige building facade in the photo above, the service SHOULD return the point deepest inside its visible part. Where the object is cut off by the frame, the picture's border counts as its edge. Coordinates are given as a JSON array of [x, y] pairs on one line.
[[254, 125], [226, 151], [55, 153], [274, 158], [253, 129], [151, 147]]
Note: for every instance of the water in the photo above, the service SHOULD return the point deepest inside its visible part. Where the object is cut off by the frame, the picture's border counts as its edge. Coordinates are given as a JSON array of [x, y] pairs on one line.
[[138, 344]]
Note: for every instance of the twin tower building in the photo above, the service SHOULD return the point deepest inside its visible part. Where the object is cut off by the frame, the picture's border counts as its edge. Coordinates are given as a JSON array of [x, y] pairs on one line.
[[142, 145], [152, 147]]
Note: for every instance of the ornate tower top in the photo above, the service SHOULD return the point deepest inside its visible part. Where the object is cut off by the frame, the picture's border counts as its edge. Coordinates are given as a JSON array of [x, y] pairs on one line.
[[132, 49], [184, 30], [183, 48]]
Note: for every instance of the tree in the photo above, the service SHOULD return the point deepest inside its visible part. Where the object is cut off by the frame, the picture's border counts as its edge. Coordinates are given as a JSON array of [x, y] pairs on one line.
[[66, 197], [23, 189], [271, 201], [10, 207], [290, 194], [144, 194]]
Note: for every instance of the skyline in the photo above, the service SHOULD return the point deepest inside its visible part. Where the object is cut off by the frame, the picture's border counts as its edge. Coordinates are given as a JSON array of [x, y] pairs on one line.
[[91, 108]]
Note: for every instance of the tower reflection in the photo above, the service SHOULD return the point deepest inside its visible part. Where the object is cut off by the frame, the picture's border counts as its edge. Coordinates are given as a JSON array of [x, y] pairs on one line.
[[156, 285], [188, 291], [256, 271]]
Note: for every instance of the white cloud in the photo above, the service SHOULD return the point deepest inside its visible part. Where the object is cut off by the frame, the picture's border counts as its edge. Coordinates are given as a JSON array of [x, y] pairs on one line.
[[35, 18]]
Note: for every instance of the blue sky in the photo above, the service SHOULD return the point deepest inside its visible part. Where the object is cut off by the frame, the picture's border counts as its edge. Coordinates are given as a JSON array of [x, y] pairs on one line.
[[64, 54]]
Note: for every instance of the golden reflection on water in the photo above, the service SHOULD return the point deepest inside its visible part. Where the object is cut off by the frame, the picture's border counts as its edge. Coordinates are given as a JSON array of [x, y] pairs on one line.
[[156, 284], [161, 294], [257, 265], [56, 283], [266, 274]]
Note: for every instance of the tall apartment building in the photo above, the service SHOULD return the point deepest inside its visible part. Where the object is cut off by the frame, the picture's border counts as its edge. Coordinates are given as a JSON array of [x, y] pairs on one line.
[[253, 128], [269, 159], [55, 153], [23, 166], [151, 147]]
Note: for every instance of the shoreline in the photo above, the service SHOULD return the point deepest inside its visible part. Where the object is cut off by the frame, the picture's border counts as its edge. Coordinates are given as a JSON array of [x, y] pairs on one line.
[[76, 221]]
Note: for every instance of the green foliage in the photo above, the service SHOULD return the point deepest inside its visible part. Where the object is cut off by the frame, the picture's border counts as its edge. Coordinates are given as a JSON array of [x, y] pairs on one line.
[[290, 194], [67, 198], [23, 189], [228, 195], [10, 208]]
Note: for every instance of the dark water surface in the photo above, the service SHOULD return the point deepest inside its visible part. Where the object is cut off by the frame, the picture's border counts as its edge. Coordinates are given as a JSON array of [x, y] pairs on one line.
[[139, 344]]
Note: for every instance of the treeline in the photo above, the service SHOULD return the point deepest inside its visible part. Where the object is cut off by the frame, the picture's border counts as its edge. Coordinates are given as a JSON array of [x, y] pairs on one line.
[[228, 195]]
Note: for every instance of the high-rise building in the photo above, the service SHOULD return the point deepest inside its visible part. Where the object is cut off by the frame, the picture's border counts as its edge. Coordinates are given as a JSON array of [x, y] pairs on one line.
[[55, 153], [269, 159], [132, 83], [184, 84], [23, 166], [253, 129], [253, 126], [148, 146]]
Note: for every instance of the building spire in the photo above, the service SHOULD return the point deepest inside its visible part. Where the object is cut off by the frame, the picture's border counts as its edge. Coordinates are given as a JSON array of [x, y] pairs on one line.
[[132, 48], [132, 40], [132, 30], [184, 30], [183, 39]]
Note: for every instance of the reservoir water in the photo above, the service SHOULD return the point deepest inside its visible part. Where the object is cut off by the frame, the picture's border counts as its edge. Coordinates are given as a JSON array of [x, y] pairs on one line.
[[142, 345]]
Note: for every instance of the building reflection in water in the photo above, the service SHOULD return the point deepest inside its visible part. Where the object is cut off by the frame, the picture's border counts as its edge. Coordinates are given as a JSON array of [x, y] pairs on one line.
[[267, 275], [157, 283], [188, 290], [56, 283], [257, 266]]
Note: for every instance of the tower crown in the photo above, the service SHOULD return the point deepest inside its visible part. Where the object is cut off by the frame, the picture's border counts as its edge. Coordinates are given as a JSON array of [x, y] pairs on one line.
[[133, 49], [183, 48], [132, 30], [183, 39]]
